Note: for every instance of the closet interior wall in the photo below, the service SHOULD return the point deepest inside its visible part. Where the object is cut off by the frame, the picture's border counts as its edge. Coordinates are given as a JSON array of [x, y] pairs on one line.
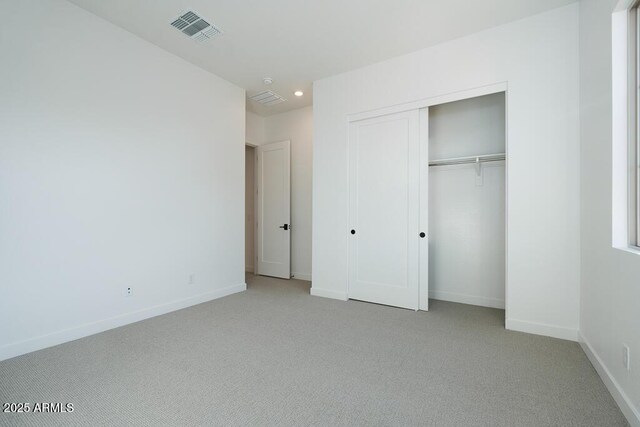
[[467, 202]]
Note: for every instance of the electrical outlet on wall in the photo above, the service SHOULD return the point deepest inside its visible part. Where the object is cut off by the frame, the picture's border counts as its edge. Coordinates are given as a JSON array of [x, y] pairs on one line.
[[626, 357], [128, 291]]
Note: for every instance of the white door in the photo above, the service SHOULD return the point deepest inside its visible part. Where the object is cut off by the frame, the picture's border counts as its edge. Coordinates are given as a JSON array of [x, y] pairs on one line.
[[384, 209], [273, 210], [424, 209]]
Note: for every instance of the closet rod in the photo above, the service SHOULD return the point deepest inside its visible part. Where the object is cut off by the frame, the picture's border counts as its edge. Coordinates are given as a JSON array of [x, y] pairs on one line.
[[470, 159]]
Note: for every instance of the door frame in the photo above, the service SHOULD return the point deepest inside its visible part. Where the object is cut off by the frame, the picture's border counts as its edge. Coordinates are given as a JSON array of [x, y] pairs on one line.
[[423, 105], [254, 223], [256, 208]]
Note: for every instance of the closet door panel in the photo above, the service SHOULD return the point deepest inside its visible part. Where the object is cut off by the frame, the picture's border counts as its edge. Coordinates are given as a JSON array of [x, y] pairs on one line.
[[384, 179], [423, 169]]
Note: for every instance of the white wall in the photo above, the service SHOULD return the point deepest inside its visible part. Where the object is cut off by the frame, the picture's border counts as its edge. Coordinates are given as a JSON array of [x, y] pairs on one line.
[[466, 211], [538, 58], [249, 235], [254, 128], [297, 126], [610, 277], [120, 165], [474, 126]]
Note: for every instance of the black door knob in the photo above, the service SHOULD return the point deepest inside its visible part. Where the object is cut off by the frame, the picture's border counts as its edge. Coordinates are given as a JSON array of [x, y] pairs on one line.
[[422, 234], [286, 227], [353, 231]]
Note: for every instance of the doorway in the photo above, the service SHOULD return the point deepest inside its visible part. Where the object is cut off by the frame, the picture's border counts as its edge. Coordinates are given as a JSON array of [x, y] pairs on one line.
[[249, 207], [467, 201], [268, 209]]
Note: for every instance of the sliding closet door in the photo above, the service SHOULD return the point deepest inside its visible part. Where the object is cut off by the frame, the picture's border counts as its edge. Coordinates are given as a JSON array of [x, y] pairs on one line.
[[424, 210], [384, 156]]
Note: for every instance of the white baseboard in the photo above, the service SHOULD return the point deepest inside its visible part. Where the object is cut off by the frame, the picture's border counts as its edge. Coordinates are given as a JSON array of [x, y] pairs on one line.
[[329, 294], [630, 411], [542, 329], [302, 276], [467, 299], [38, 343]]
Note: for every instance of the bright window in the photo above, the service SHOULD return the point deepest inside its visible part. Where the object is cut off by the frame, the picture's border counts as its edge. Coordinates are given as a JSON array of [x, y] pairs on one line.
[[626, 126], [634, 126]]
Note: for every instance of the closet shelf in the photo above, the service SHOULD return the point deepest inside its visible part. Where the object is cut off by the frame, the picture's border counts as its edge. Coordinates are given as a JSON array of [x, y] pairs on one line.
[[469, 159]]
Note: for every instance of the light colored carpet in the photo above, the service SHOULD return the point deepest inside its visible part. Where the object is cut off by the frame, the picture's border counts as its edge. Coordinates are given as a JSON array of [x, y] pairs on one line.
[[275, 355]]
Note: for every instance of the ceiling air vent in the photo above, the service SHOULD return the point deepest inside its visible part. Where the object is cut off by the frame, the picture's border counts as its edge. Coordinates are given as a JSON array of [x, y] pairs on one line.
[[267, 98], [192, 25]]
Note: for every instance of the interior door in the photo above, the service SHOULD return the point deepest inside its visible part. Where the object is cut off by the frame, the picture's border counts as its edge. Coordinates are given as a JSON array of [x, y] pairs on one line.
[[273, 210], [384, 214]]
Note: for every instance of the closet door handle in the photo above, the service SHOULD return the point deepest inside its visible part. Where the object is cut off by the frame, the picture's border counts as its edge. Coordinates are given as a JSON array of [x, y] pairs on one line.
[[353, 231], [422, 235], [286, 227]]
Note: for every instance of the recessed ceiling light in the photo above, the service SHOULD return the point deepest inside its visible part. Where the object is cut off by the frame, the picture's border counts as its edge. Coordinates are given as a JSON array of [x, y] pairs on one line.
[[298, 93], [267, 80]]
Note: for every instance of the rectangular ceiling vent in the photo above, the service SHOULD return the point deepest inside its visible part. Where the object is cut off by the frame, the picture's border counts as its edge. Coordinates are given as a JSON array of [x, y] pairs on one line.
[[192, 25], [267, 98]]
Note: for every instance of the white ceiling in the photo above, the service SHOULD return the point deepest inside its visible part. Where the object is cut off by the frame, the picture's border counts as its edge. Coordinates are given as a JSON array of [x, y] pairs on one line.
[[298, 41]]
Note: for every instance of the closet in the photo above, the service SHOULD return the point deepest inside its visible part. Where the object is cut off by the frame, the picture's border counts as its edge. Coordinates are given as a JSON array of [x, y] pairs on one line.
[[467, 201], [427, 204]]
